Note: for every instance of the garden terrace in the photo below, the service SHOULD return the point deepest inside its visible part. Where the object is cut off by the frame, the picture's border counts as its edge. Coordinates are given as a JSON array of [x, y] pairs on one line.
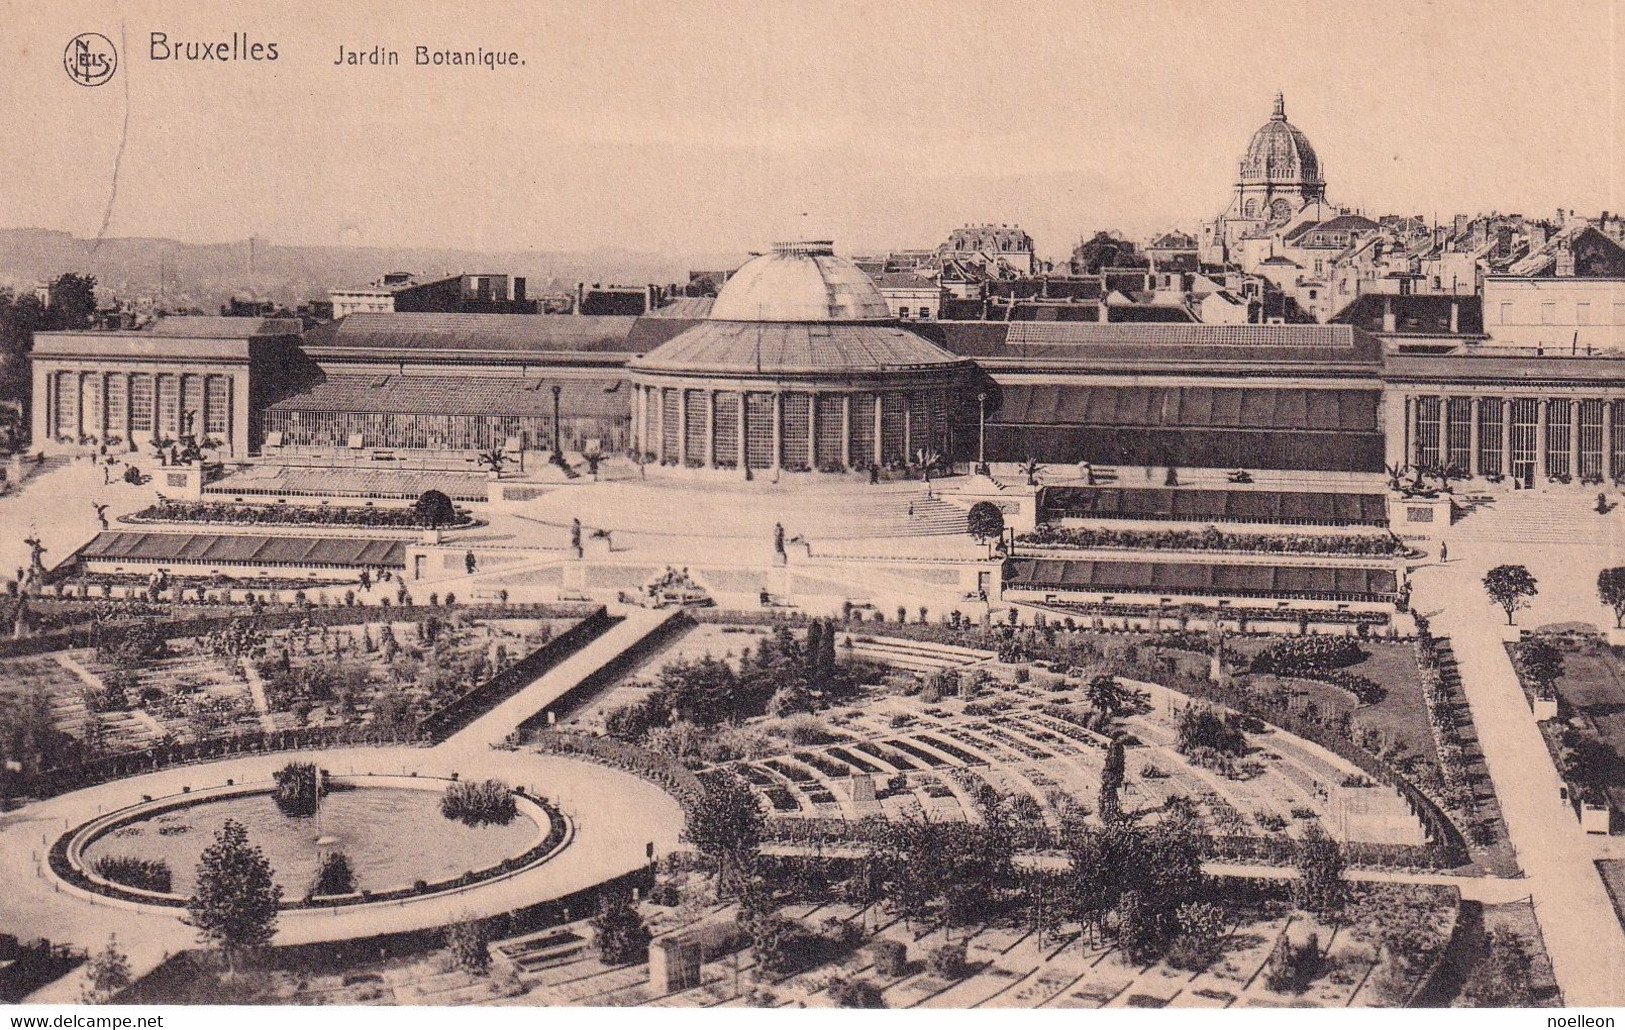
[[1210, 539], [1587, 739], [368, 516], [1155, 617], [1174, 504], [1202, 579], [1006, 966], [349, 480], [249, 682], [233, 550]]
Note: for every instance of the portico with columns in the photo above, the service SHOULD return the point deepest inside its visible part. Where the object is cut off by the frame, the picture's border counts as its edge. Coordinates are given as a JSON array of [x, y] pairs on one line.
[[1538, 419], [131, 388]]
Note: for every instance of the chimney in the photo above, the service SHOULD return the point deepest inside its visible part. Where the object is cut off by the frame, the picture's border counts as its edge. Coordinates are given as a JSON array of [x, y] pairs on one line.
[[1388, 321], [519, 288], [581, 296]]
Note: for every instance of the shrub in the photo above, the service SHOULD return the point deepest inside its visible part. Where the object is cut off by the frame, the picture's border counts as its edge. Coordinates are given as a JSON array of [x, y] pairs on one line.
[[618, 933], [333, 876], [1298, 655], [147, 874], [469, 944], [298, 789], [1203, 726], [475, 804], [890, 957], [855, 994], [1292, 967], [1200, 940], [948, 961]]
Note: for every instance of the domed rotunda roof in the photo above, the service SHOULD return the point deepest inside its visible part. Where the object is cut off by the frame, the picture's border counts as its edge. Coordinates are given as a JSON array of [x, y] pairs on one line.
[[798, 311], [1280, 153], [800, 282]]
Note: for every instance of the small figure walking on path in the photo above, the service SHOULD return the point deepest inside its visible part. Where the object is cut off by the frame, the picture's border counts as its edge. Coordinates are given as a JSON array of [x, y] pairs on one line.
[[1444, 552], [101, 515], [778, 538], [911, 509], [468, 562], [575, 533]]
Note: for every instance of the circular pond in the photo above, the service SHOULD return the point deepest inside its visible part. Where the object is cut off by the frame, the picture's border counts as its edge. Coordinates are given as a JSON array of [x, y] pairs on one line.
[[393, 837]]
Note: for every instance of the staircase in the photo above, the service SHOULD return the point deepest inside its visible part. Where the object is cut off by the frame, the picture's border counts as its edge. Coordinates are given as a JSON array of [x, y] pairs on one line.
[[912, 655]]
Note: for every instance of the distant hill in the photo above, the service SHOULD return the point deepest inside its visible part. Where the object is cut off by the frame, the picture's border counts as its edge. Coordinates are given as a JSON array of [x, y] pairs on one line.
[[206, 275]]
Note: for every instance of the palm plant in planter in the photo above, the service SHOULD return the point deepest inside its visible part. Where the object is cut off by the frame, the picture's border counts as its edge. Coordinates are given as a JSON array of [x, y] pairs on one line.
[[493, 460]]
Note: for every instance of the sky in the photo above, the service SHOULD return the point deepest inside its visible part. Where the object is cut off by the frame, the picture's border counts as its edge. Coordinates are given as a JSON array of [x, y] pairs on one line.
[[685, 127]]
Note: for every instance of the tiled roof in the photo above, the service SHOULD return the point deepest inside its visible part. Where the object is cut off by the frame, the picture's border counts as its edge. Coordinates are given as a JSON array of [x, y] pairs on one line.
[[787, 347], [459, 395], [684, 307], [1427, 314], [903, 281], [1161, 344], [221, 327], [395, 332], [245, 549]]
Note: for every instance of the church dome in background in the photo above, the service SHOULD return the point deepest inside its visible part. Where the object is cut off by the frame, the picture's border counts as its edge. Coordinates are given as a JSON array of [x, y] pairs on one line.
[[800, 282], [1280, 153]]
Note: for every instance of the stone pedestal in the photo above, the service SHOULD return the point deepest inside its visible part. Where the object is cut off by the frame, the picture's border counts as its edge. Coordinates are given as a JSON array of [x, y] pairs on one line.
[[1511, 634], [1426, 518]]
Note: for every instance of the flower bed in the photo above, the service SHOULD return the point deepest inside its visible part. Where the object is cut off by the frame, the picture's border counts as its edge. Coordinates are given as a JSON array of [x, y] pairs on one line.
[[1211, 539], [215, 513]]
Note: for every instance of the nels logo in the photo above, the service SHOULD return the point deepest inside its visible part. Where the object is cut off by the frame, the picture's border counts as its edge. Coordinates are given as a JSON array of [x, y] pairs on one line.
[[91, 59]]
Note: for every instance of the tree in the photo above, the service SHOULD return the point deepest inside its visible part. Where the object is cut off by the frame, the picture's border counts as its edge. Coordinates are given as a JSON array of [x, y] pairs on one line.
[[725, 825], [434, 509], [469, 943], [107, 973], [618, 933], [1541, 664], [1111, 780], [1320, 887], [73, 302], [1501, 979], [985, 521], [236, 899], [1611, 590], [1104, 695], [1510, 587]]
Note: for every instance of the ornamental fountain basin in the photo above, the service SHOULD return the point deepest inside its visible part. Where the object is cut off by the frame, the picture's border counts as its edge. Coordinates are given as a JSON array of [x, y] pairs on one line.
[[389, 827]]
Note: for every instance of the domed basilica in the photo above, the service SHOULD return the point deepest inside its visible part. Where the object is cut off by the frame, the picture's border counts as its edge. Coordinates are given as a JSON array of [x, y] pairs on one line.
[[1279, 183]]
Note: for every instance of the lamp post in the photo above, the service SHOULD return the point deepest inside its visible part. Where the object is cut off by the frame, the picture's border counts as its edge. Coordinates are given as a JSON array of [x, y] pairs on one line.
[[558, 455], [981, 431]]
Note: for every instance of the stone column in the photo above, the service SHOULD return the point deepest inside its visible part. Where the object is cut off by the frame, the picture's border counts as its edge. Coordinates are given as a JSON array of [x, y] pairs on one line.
[[744, 457], [1540, 437], [1410, 431], [682, 427], [812, 431], [1506, 436], [778, 430], [101, 416], [846, 430], [1472, 437], [129, 408], [1608, 469], [908, 427], [1574, 437], [710, 459], [880, 408]]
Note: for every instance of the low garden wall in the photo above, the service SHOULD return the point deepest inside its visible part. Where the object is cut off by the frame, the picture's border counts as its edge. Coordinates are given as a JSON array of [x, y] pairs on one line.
[[516, 677]]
